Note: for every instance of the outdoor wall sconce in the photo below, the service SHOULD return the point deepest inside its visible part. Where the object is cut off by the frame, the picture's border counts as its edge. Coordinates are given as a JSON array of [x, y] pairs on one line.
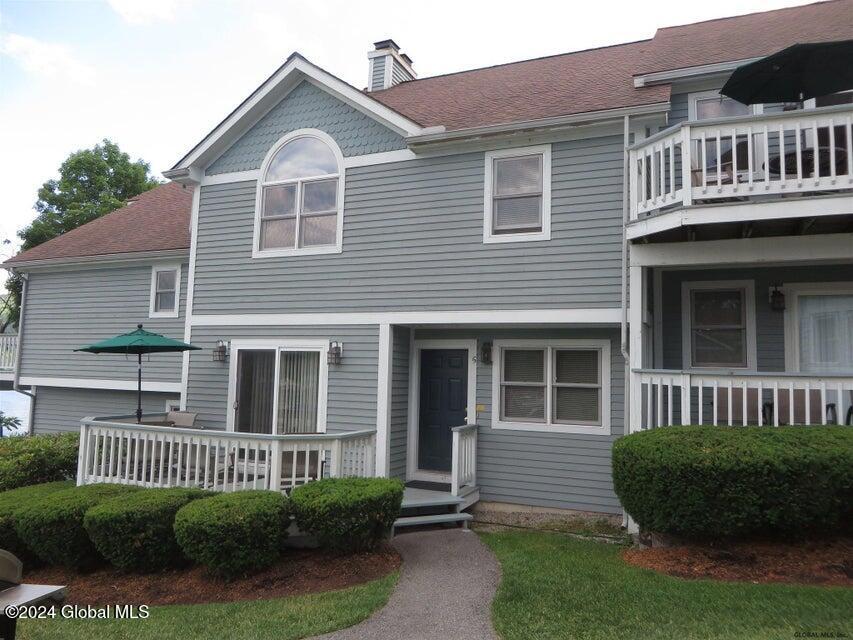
[[335, 351], [220, 351], [486, 353], [777, 299]]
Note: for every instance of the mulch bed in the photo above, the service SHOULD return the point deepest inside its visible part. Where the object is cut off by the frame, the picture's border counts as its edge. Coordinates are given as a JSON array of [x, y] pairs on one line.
[[300, 571], [823, 562]]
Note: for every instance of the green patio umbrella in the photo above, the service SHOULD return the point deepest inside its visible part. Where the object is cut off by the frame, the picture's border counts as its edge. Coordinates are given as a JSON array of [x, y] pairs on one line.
[[139, 342]]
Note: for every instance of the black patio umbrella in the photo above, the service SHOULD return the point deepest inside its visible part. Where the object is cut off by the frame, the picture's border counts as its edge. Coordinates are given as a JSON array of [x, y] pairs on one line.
[[800, 72], [139, 342]]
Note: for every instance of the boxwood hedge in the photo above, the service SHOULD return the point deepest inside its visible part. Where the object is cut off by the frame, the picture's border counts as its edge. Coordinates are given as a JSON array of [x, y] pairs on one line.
[[723, 482], [234, 533], [136, 532], [52, 526], [348, 514], [27, 460], [12, 500]]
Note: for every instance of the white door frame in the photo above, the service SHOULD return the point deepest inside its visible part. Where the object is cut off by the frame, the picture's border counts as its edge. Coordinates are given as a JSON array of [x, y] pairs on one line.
[[412, 471]]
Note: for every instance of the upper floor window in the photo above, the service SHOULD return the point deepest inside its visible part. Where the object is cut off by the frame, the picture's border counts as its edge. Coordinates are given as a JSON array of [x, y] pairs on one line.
[[709, 105], [300, 197], [165, 291], [518, 195]]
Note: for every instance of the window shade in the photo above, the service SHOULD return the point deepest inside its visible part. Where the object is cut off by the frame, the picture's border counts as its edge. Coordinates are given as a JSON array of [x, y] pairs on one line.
[[516, 176], [576, 366], [524, 365], [298, 391], [576, 404]]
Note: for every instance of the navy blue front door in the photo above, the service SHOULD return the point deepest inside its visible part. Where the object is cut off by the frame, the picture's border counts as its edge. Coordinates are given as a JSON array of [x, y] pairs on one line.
[[443, 398]]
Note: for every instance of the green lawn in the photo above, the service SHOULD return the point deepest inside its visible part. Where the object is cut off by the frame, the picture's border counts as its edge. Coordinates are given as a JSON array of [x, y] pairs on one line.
[[282, 619], [555, 586]]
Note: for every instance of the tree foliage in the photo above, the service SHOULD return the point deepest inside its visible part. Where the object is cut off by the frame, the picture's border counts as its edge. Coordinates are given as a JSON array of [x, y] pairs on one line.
[[92, 182]]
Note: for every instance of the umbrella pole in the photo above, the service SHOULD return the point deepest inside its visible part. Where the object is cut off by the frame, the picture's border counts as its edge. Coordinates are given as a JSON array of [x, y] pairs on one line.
[[139, 389]]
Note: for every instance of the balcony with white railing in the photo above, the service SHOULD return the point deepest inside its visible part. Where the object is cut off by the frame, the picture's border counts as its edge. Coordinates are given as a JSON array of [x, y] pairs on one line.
[[673, 397], [8, 353], [118, 450], [744, 160]]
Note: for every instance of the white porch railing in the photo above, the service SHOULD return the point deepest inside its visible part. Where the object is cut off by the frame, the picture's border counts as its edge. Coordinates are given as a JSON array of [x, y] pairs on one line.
[[735, 158], [463, 469], [112, 450], [8, 352], [671, 397]]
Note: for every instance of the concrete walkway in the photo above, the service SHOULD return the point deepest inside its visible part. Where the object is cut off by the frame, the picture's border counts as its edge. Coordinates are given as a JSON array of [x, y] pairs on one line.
[[445, 591]]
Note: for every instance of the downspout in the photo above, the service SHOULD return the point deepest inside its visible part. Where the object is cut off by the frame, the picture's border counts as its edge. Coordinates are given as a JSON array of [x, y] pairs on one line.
[[626, 354], [17, 375]]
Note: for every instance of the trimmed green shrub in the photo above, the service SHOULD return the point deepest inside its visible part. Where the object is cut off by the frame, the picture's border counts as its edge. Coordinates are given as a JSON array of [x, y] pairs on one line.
[[349, 514], [136, 532], [52, 526], [12, 500], [234, 533], [724, 482], [28, 460]]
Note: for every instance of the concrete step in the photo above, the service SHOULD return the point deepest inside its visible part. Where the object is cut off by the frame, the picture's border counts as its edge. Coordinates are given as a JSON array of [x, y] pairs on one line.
[[438, 518]]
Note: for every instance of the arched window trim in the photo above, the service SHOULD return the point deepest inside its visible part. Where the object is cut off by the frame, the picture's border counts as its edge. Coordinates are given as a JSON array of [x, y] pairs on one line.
[[257, 252]]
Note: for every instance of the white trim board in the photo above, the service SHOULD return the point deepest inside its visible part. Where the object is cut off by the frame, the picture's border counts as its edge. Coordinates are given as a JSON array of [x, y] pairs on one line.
[[612, 315], [383, 400], [776, 209], [271, 92], [781, 250], [99, 383], [412, 471], [658, 77], [277, 345], [751, 347], [188, 309]]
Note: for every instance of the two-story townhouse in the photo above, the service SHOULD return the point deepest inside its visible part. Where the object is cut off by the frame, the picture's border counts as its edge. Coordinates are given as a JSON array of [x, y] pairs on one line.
[[433, 279]]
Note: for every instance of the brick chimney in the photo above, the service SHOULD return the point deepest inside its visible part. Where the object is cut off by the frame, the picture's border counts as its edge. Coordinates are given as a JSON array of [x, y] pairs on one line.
[[388, 66]]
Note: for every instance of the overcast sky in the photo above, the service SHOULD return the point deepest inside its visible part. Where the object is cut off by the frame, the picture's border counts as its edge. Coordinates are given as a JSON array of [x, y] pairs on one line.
[[156, 75]]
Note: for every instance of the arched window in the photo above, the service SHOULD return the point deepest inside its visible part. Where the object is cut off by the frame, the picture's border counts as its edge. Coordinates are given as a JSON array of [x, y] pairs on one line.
[[300, 196]]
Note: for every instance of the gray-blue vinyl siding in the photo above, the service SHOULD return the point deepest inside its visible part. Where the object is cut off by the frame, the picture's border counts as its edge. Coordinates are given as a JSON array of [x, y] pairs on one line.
[[556, 470], [351, 403], [378, 77], [69, 308], [61, 409], [307, 106], [413, 240], [399, 419], [770, 325]]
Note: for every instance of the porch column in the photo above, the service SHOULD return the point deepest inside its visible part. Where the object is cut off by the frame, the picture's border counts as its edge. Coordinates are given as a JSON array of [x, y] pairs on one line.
[[636, 311], [383, 402]]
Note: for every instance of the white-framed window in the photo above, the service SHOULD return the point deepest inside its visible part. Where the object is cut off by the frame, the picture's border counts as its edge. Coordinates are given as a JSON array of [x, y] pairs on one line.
[[517, 195], [557, 386], [718, 324], [278, 386], [819, 327], [710, 105], [173, 404], [299, 204], [165, 291]]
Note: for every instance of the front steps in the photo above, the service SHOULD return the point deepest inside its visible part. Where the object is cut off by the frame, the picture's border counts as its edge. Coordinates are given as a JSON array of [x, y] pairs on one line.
[[424, 507]]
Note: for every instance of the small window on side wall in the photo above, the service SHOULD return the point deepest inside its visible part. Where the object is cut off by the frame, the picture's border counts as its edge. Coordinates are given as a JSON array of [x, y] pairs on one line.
[[165, 291], [719, 322], [518, 195]]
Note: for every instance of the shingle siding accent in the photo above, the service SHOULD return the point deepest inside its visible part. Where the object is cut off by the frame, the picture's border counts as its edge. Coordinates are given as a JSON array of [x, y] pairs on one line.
[[352, 384], [58, 409], [413, 240], [74, 307], [305, 107]]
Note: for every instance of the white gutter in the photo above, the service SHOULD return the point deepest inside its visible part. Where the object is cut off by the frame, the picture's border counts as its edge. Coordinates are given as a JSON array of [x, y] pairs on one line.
[[625, 215], [543, 123], [104, 258], [665, 77]]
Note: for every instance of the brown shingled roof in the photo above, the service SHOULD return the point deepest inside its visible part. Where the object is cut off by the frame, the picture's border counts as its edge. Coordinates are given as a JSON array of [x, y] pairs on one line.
[[157, 220], [566, 84], [599, 79], [748, 36]]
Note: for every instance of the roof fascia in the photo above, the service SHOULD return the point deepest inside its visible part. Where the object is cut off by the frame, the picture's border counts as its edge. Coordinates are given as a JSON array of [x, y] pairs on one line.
[[665, 77], [96, 260]]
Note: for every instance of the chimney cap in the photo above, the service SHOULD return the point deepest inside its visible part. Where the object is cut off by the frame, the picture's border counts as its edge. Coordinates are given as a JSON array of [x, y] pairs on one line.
[[386, 44], [406, 57]]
